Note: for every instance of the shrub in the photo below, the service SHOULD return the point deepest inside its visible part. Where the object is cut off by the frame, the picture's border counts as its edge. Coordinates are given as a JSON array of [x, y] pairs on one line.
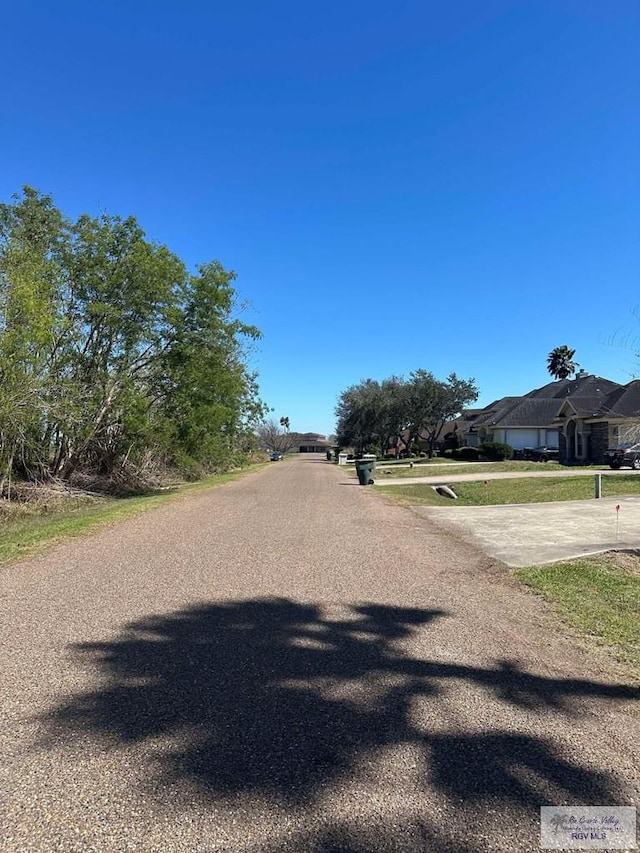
[[495, 451], [468, 453]]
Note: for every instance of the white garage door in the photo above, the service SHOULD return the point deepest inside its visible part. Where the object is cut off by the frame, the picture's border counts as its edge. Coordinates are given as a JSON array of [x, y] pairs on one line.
[[519, 438]]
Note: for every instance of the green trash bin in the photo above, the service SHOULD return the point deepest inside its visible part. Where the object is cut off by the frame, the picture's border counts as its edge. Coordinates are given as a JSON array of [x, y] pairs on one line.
[[364, 470]]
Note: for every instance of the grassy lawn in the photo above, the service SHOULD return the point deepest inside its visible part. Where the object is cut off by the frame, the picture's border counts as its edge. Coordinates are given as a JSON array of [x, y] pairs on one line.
[[28, 530], [418, 460], [440, 466], [597, 596], [517, 491]]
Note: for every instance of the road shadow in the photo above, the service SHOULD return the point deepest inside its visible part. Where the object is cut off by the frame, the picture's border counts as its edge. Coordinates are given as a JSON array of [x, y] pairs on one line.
[[279, 698], [414, 835]]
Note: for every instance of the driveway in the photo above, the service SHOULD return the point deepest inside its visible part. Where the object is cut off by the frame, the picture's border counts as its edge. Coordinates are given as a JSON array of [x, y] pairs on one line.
[[287, 664], [531, 534]]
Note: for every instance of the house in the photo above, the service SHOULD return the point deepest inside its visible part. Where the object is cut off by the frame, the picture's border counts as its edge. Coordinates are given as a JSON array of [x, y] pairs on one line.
[[581, 416], [588, 426], [312, 442]]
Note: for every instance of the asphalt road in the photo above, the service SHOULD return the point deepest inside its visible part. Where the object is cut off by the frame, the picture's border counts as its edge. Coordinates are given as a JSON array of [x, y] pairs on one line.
[[288, 663]]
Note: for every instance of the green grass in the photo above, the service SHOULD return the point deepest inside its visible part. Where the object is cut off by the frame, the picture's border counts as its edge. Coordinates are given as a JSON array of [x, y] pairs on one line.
[[29, 531], [516, 491], [597, 597], [418, 460], [444, 466]]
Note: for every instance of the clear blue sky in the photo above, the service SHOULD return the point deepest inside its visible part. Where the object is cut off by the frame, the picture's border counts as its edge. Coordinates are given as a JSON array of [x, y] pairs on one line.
[[443, 185]]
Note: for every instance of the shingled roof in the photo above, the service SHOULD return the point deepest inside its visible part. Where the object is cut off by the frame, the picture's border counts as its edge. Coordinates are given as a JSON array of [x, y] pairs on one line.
[[622, 403], [531, 412], [589, 396], [588, 407], [584, 385]]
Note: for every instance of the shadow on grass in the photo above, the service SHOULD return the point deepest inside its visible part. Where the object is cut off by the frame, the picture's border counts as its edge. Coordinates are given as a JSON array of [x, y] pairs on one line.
[[280, 699]]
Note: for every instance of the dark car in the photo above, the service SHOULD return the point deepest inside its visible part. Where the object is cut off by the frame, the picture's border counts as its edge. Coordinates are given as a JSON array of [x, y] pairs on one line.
[[542, 454], [276, 456], [627, 455]]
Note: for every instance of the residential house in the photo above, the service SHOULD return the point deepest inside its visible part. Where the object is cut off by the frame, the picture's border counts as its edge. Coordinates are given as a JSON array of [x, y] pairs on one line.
[[312, 442], [588, 426], [581, 416]]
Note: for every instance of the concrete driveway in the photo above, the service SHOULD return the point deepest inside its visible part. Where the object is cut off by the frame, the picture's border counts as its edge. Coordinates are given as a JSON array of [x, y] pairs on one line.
[[530, 534]]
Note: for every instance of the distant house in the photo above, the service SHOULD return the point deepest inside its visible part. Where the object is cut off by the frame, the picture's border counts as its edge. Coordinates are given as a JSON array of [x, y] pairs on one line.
[[311, 442], [581, 416]]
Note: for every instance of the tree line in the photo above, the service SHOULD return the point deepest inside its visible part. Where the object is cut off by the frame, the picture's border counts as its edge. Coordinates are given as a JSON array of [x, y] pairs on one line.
[[113, 356], [397, 412]]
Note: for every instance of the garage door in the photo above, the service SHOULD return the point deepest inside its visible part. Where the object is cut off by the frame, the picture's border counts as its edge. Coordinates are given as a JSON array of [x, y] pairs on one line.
[[519, 438]]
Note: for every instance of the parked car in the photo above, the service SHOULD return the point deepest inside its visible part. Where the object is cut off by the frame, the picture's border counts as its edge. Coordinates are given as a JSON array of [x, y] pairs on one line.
[[276, 456], [542, 454], [627, 455]]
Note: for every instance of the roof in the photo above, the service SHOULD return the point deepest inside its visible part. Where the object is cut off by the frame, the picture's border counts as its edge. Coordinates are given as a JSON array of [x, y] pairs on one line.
[[588, 395], [584, 385], [623, 403], [497, 411], [586, 407], [531, 412], [462, 423]]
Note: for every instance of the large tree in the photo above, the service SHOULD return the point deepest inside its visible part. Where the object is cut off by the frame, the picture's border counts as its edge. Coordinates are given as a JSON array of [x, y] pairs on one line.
[[208, 394], [275, 436], [374, 413], [360, 414], [110, 350], [31, 231], [121, 295], [560, 362], [433, 402]]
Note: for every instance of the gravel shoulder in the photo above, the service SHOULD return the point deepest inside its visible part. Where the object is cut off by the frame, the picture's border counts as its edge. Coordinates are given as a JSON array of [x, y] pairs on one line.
[[289, 663]]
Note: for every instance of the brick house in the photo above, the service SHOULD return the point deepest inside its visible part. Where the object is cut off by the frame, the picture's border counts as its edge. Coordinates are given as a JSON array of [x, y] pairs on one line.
[[588, 426], [581, 416]]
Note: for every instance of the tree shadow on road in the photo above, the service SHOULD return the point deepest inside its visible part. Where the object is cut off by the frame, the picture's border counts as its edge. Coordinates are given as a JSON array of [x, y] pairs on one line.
[[283, 699]]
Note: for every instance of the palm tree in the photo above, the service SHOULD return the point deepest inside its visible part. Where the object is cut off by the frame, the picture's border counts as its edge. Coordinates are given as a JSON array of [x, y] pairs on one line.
[[560, 363]]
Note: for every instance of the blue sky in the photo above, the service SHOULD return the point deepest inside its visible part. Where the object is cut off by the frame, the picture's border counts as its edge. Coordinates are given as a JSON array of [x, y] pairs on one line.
[[437, 185]]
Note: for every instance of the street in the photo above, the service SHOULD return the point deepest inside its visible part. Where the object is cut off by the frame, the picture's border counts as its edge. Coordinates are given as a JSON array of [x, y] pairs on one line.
[[288, 663]]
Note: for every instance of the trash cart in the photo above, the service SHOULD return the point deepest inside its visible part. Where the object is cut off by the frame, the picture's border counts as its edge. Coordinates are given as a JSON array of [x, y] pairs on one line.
[[364, 470]]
